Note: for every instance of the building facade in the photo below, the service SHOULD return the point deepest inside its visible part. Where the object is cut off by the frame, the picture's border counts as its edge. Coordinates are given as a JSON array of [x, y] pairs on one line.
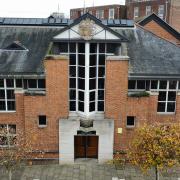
[[168, 10], [83, 87], [114, 11]]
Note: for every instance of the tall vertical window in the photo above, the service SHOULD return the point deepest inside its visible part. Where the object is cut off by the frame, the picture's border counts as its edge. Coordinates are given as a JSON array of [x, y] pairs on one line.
[[100, 14], [161, 11], [167, 96], [87, 75], [111, 13], [7, 97], [148, 10], [136, 12]]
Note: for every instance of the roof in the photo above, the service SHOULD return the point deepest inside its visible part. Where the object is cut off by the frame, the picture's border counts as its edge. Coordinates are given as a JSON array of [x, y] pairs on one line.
[[51, 21], [151, 55], [28, 61], [162, 23]]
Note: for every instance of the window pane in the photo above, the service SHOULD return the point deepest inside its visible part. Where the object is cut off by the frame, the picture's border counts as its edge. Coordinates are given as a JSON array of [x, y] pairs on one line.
[[72, 47], [81, 71], [100, 105], [140, 84], [101, 95], [12, 129], [92, 60], [161, 107], [72, 83], [1, 83], [25, 82], [163, 85], [162, 96], [81, 106], [147, 85], [130, 121], [11, 105], [72, 59], [92, 96], [2, 94], [81, 96], [2, 106], [171, 96], [101, 72], [154, 84], [81, 59], [41, 83], [32, 83], [132, 84], [92, 106], [3, 141], [92, 84], [92, 72], [10, 82], [114, 48], [93, 48], [72, 94], [72, 71], [19, 83], [179, 85], [171, 107], [101, 83], [81, 48], [172, 84], [72, 105], [101, 48], [63, 47], [81, 83], [101, 59], [10, 94]]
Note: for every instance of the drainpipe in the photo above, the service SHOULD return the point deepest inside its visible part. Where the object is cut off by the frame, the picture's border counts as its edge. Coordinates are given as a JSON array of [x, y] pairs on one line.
[[166, 10]]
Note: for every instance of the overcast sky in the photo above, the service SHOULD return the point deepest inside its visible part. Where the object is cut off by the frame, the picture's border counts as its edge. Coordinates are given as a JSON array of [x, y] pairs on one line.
[[43, 8]]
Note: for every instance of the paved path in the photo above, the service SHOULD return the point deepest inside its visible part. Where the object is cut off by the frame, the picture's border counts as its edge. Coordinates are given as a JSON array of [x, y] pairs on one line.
[[85, 171]]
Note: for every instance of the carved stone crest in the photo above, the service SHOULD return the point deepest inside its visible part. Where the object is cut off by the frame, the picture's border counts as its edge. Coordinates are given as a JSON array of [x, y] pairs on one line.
[[87, 29]]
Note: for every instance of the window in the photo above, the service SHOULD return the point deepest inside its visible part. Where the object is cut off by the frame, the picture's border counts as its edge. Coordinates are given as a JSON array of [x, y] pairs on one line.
[[130, 122], [161, 11], [86, 94], [136, 12], [111, 13], [100, 14], [167, 96], [148, 10], [7, 97], [34, 84], [42, 121], [7, 135]]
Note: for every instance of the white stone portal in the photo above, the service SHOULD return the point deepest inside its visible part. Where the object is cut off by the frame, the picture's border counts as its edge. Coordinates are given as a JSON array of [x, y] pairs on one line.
[[68, 129]]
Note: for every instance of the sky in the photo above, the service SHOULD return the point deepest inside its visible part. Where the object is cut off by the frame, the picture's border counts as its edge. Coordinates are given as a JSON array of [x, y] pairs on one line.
[[43, 8]]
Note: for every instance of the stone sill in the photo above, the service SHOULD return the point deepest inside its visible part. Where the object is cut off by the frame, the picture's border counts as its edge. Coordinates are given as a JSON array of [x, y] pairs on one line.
[[34, 93]]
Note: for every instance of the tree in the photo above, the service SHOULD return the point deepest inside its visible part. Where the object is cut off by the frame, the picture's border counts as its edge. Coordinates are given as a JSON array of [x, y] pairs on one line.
[[14, 148], [156, 146]]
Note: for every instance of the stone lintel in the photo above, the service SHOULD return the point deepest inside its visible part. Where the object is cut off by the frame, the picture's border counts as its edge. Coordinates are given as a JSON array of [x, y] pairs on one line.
[[56, 57], [118, 58]]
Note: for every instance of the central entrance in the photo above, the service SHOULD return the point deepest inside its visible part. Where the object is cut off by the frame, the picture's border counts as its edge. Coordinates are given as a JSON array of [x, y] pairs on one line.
[[86, 146]]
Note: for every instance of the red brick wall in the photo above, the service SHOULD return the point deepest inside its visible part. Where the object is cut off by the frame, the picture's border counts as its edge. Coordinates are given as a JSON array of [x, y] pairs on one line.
[[174, 19], [54, 105], [160, 31], [119, 105]]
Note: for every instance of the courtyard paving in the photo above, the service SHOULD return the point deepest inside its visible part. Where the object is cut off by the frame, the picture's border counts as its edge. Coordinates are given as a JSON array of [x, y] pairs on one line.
[[86, 171]]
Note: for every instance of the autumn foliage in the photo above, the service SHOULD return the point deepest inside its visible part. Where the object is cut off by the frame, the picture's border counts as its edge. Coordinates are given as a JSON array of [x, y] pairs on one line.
[[156, 146]]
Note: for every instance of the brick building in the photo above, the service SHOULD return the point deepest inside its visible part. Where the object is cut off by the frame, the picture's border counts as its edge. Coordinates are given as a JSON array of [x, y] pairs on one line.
[[159, 27], [83, 87], [114, 11], [168, 10]]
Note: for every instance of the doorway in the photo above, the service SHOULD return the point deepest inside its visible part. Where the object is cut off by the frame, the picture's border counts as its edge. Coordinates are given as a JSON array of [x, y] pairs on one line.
[[86, 146]]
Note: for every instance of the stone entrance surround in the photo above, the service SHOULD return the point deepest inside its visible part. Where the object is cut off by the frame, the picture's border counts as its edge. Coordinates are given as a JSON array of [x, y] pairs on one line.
[[68, 128]]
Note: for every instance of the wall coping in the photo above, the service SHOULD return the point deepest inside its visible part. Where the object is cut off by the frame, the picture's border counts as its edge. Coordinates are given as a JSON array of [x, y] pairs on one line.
[[154, 93], [118, 58], [56, 57], [19, 91], [178, 93]]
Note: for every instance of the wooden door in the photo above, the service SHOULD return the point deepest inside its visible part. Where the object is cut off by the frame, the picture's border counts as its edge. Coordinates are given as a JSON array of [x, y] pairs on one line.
[[86, 146]]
